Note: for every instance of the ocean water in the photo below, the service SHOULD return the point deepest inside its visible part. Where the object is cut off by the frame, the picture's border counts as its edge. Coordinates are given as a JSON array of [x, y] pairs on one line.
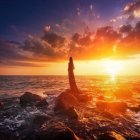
[[15, 118], [14, 86]]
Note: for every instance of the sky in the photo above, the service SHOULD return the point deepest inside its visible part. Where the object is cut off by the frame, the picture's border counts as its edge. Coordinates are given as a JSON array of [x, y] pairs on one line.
[[38, 36]]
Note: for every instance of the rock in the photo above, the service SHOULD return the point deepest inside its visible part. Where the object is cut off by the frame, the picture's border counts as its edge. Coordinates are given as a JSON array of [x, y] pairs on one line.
[[107, 115], [111, 106], [42, 103], [65, 104], [29, 99], [123, 94], [111, 136], [72, 113], [101, 97], [84, 97], [1, 105], [133, 138], [8, 135], [38, 120], [134, 108], [101, 105], [65, 101], [57, 132]]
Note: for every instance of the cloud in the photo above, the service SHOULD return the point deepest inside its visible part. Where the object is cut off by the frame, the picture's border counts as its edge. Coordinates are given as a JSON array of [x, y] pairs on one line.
[[50, 46], [47, 28], [125, 28], [12, 54], [69, 26], [53, 39], [102, 43], [10, 50], [94, 45], [129, 45], [12, 63], [132, 9], [137, 27], [107, 42]]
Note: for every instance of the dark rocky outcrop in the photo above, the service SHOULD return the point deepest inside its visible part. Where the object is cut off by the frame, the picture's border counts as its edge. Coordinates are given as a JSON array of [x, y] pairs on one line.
[[42, 103], [111, 106], [29, 98]]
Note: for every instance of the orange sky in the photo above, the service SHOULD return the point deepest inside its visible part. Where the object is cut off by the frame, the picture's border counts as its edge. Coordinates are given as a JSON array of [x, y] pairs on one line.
[[99, 45], [128, 67]]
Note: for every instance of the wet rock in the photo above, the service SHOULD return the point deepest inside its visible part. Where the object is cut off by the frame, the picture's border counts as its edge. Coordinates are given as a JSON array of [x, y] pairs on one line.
[[65, 101], [133, 138], [111, 106], [1, 105], [8, 135], [29, 98], [101, 97], [65, 104], [107, 115], [42, 103], [101, 105], [111, 136], [57, 132], [72, 113], [134, 108], [84, 97], [38, 120], [123, 94]]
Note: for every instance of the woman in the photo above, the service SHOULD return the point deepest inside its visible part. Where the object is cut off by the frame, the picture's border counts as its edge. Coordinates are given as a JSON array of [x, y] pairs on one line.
[[72, 83]]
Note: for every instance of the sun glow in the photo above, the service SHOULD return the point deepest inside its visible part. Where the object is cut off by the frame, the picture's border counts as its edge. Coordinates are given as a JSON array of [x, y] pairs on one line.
[[112, 67]]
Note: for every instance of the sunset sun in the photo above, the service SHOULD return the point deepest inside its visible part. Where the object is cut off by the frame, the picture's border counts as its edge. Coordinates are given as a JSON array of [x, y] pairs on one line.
[[112, 68]]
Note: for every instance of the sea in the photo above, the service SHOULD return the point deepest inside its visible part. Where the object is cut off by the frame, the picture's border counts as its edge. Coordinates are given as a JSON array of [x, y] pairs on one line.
[[14, 86], [14, 118]]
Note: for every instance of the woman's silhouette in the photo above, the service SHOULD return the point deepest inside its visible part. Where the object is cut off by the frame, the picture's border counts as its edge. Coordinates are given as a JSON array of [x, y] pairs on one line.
[[72, 83]]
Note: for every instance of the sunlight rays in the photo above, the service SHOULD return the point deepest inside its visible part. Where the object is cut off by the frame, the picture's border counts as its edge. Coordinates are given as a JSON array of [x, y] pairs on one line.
[[112, 67]]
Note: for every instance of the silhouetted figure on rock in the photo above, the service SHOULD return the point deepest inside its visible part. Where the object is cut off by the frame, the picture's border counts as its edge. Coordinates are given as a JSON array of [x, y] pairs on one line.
[[73, 87], [72, 83]]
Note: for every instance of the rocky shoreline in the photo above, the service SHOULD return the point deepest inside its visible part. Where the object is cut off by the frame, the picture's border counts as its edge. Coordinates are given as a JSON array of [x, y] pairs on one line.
[[67, 118]]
